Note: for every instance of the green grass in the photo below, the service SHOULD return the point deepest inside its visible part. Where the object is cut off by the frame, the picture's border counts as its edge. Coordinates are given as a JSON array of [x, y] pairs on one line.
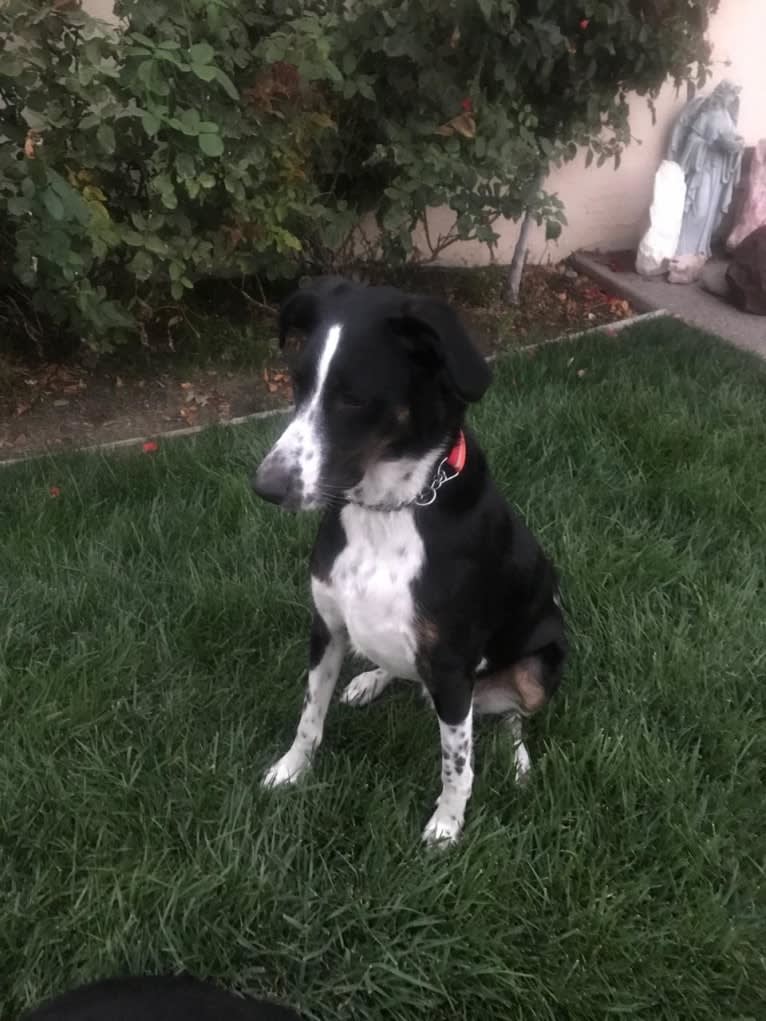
[[154, 622]]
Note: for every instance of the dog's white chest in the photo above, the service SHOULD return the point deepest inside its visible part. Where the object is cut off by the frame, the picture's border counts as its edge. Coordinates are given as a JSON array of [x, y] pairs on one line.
[[371, 584]]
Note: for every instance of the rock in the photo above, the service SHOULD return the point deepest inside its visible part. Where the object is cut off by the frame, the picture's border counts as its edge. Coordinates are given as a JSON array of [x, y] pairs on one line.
[[713, 279], [659, 243], [753, 212], [746, 275], [685, 269]]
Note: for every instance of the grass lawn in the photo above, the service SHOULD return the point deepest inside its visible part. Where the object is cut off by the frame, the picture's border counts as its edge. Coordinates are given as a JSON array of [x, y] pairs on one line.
[[154, 621]]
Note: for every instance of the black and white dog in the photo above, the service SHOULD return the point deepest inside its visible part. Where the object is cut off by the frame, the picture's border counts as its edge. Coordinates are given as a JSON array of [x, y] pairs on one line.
[[156, 998], [419, 562]]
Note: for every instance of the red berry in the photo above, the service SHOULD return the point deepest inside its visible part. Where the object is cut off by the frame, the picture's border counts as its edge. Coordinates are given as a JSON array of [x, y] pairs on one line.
[[584, 23], [151, 447], [467, 104], [54, 491]]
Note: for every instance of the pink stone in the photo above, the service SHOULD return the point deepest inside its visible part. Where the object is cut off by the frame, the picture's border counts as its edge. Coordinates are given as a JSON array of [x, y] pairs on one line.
[[753, 212]]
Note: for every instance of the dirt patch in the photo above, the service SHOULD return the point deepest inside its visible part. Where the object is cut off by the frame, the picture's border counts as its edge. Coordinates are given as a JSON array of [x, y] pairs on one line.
[[51, 407]]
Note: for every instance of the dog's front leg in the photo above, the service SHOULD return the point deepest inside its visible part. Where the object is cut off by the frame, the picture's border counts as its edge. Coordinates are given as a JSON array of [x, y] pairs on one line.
[[455, 711], [326, 651]]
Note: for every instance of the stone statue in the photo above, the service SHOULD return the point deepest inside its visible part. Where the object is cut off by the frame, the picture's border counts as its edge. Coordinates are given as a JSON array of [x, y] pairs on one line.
[[659, 244], [708, 149]]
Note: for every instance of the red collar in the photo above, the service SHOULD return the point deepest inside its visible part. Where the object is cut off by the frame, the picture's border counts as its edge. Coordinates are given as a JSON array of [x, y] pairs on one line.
[[456, 457]]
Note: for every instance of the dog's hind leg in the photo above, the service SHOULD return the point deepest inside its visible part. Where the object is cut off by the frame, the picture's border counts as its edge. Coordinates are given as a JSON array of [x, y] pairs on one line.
[[366, 687], [327, 649]]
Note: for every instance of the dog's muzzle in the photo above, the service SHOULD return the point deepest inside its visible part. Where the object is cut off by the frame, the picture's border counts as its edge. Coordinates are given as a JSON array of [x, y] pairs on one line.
[[279, 483]]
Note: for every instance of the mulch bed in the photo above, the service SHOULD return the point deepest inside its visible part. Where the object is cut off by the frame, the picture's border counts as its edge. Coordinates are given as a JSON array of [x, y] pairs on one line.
[[58, 406]]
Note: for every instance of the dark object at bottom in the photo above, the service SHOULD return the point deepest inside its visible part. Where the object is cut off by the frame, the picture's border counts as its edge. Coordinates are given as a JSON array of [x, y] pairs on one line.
[[156, 998], [746, 275]]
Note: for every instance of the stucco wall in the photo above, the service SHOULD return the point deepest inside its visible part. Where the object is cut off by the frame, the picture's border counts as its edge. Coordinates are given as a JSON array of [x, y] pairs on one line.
[[607, 208]]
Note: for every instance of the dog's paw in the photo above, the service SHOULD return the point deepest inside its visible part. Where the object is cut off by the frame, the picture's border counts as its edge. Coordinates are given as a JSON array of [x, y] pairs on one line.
[[365, 687], [442, 829], [522, 762], [287, 770]]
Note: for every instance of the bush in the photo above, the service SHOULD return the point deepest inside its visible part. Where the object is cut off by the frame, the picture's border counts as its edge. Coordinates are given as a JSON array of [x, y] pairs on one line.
[[138, 162], [248, 136]]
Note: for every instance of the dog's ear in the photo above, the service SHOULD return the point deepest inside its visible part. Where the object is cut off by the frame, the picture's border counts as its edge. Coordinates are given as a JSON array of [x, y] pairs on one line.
[[303, 309], [434, 330]]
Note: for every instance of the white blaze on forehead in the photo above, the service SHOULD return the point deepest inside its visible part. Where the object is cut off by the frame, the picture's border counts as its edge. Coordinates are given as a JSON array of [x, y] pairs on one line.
[[330, 347], [300, 444]]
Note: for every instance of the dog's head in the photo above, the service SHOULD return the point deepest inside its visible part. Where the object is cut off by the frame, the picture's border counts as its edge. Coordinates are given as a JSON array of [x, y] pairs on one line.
[[381, 381]]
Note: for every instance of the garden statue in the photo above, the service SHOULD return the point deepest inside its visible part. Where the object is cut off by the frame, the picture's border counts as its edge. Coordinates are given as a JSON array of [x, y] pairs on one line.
[[659, 244], [708, 149]]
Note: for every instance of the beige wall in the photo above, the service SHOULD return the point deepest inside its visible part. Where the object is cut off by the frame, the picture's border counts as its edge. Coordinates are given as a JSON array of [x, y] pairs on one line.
[[607, 208], [100, 9]]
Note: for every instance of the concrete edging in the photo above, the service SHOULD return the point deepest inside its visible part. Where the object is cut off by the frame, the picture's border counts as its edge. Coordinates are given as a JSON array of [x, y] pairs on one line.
[[193, 430]]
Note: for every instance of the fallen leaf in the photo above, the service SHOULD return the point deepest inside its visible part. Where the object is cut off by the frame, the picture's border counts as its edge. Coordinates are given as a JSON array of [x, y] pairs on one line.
[[464, 124], [61, 403], [23, 407], [150, 447], [119, 383], [187, 386], [272, 387]]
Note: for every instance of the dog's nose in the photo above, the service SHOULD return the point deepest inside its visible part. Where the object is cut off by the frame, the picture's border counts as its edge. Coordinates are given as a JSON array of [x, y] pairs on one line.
[[271, 482]]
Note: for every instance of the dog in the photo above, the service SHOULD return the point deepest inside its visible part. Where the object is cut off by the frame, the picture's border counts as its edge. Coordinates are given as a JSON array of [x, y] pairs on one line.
[[419, 564], [156, 998]]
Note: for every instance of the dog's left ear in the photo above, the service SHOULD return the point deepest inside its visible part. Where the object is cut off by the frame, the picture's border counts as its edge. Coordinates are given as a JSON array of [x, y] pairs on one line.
[[432, 323]]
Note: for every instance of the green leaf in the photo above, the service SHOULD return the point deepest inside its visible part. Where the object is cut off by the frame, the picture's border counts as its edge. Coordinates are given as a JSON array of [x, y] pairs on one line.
[[53, 204], [10, 65], [228, 85], [177, 290], [211, 145], [154, 243], [201, 53], [185, 165], [106, 139], [141, 265], [35, 120], [204, 71], [589, 158], [552, 230], [151, 123], [18, 206]]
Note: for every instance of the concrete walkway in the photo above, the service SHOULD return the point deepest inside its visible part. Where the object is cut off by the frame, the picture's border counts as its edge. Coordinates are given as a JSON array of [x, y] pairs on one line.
[[688, 301]]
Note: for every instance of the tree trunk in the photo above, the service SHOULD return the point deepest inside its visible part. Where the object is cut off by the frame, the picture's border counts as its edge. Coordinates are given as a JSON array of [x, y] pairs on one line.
[[520, 252]]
